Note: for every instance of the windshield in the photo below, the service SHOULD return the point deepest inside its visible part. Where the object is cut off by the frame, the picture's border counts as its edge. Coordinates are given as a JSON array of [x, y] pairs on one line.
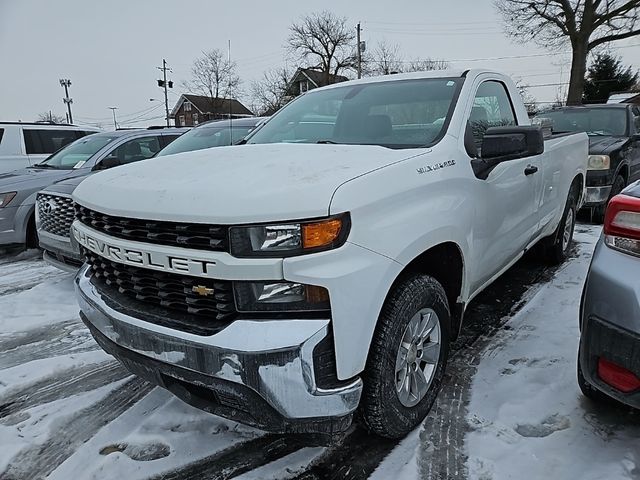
[[594, 121], [207, 136], [76, 154], [395, 114]]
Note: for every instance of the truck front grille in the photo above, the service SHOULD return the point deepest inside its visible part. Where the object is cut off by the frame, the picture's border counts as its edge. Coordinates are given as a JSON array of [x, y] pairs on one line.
[[169, 291], [56, 214], [199, 236]]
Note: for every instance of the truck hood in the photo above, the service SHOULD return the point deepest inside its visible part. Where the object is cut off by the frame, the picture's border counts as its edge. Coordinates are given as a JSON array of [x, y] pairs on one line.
[[600, 145], [241, 184], [30, 178]]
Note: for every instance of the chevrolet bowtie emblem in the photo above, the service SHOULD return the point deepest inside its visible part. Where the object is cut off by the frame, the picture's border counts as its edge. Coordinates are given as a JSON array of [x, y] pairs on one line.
[[202, 290]]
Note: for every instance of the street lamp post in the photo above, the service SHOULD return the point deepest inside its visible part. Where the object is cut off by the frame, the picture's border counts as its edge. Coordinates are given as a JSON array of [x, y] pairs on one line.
[[66, 83]]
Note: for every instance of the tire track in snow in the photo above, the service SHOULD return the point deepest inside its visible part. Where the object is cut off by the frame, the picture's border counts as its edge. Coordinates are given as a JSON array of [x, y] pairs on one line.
[[38, 462], [238, 459], [69, 382], [47, 341]]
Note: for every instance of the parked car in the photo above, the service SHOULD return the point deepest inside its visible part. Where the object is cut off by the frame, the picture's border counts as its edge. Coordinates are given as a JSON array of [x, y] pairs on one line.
[[216, 133], [25, 144], [609, 357], [614, 147], [325, 266], [96, 152], [60, 248]]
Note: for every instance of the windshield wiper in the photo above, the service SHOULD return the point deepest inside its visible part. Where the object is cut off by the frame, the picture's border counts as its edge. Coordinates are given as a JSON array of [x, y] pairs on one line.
[[327, 142], [42, 165]]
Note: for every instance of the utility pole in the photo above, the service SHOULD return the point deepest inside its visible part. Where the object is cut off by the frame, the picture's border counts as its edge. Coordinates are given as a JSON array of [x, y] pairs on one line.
[[66, 83], [165, 84], [359, 53], [113, 110]]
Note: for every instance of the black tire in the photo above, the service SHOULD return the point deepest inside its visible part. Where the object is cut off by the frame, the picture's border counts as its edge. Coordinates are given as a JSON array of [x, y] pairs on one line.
[[32, 240], [591, 392], [381, 410], [616, 188], [556, 248]]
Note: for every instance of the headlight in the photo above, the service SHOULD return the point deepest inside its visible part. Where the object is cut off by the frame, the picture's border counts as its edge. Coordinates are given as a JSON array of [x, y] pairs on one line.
[[598, 162], [279, 297], [288, 239], [5, 198]]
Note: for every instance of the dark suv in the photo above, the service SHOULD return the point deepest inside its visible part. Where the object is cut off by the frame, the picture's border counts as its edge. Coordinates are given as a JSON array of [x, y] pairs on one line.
[[614, 147]]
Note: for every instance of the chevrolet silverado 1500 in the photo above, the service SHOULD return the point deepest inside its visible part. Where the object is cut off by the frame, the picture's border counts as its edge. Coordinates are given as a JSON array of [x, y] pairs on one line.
[[322, 269]]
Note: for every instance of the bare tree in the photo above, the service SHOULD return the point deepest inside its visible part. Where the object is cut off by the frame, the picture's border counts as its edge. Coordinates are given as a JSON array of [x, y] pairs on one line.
[[270, 92], [325, 43], [584, 24], [385, 60], [426, 64], [528, 99], [51, 117], [214, 76]]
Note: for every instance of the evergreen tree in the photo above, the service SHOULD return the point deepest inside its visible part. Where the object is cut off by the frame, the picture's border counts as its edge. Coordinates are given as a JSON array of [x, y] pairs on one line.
[[607, 75]]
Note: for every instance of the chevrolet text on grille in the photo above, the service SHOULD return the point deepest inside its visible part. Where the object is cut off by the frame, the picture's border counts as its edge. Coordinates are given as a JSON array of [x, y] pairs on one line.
[[152, 260]]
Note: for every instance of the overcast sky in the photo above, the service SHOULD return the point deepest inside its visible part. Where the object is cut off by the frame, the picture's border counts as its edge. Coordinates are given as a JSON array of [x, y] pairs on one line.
[[110, 49]]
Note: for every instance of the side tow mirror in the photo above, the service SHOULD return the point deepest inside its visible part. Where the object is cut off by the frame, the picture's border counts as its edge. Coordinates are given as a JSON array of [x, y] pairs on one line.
[[107, 162], [501, 144]]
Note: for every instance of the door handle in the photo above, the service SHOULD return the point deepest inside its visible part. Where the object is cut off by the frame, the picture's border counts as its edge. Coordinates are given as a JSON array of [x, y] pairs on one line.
[[530, 170]]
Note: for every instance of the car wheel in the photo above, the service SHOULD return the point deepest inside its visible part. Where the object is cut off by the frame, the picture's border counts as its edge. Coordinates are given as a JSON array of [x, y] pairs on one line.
[[32, 240], [616, 188], [407, 358], [591, 392], [560, 242]]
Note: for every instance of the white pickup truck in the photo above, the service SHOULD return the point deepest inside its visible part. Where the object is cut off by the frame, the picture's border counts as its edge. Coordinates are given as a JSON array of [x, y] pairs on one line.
[[323, 268]]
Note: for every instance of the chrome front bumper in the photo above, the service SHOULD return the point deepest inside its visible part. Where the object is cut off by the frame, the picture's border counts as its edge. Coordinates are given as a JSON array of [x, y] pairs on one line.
[[273, 358], [597, 195]]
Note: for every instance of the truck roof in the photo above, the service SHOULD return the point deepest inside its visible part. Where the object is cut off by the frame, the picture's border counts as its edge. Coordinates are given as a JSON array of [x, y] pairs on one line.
[[448, 73]]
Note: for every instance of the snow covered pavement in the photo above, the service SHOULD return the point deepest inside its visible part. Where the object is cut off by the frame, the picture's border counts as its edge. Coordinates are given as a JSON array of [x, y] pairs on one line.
[[511, 407]]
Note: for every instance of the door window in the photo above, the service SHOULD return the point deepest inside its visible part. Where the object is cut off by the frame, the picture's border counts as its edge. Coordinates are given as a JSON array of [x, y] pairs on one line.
[[636, 118], [47, 141], [491, 108], [136, 149]]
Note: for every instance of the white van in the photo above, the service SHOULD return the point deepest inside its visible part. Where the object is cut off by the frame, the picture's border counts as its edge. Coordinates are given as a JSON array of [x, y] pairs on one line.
[[24, 144]]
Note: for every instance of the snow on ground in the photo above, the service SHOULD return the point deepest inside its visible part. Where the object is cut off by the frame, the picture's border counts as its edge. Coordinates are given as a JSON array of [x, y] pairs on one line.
[[157, 434], [67, 410], [528, 416]]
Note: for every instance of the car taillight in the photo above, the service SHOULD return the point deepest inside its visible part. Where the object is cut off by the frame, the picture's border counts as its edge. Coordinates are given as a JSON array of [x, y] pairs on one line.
[[617, 377], [622, 224]]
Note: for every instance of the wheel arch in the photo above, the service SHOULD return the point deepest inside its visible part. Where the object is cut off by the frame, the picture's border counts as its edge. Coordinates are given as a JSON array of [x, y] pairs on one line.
[[445, 263], [624, 171]]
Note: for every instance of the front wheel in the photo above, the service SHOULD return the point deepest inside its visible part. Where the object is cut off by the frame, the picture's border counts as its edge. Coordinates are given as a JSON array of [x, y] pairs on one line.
[[407, 358]]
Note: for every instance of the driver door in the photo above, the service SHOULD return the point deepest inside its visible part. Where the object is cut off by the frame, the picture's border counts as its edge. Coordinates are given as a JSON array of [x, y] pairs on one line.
[[506, 214]]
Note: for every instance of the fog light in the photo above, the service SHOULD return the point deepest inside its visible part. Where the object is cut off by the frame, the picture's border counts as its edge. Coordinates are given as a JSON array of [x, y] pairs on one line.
[[618, 377]]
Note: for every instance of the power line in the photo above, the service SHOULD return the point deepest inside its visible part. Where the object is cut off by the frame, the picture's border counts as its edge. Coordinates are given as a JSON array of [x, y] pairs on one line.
[[477, 22]]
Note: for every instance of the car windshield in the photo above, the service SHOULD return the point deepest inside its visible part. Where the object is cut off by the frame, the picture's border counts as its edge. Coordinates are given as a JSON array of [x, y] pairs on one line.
[[76, 154], [394, 114], [594, 121], [207, 136]]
